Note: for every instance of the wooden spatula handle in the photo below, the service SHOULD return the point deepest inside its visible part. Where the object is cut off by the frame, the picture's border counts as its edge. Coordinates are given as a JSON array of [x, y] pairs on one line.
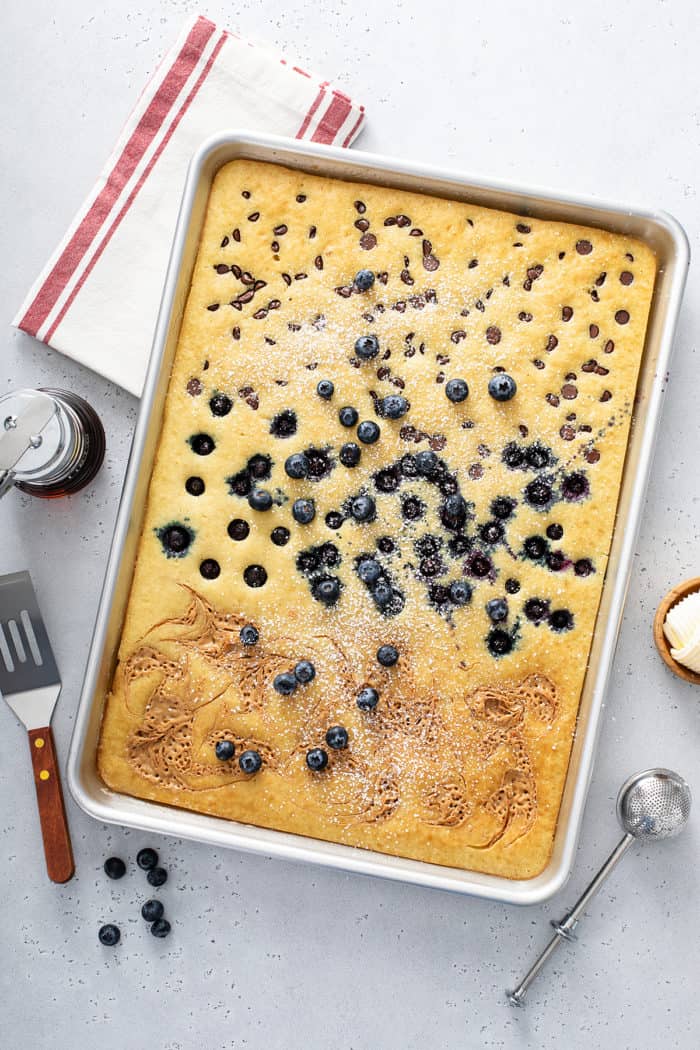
[[52, 812]]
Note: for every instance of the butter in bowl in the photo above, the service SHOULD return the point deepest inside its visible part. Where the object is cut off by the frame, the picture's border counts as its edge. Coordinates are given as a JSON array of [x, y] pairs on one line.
[[677, 630]]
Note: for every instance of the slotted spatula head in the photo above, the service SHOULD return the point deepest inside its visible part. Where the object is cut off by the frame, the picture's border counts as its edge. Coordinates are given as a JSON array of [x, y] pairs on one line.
[[29, 679]]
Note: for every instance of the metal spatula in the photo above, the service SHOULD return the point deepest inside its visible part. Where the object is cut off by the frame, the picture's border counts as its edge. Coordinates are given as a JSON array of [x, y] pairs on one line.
[[30, 684]]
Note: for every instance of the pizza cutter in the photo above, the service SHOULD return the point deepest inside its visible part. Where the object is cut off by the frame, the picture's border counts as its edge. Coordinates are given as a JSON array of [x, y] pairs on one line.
[[30, 683]]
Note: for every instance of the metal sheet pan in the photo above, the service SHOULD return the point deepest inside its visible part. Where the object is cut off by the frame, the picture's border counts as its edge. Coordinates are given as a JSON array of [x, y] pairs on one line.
[[659, 230]]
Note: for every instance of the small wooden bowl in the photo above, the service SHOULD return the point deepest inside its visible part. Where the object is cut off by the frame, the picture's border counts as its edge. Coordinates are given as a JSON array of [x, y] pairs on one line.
[[662, 643]]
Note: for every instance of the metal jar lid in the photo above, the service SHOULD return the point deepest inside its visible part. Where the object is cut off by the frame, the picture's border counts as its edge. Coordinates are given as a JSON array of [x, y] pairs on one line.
[[41, 439]]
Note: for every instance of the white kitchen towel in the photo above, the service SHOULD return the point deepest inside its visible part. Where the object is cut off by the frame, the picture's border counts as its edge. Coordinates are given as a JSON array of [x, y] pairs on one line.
[[97, 298]]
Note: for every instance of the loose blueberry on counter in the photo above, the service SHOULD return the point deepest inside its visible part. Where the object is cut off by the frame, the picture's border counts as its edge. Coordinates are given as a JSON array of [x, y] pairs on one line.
[[337, 737], [348, 416], [369, 570], [561, 620], [457, 390], [260, 499], [297, 465], [502, 387], [304, 672], [350, 453], [195, 486], [536, 609], [363, 508], [161, 928], [324, 389], [152, 910], [367, 347], [280, 536], [367, 698], [175, 539], [255, 575], [499, 642], [334, 520], [202, 444], [512, 585], [157, 877], [109, 934], [327, 590], [387, 655], [220, 405], [497, 609], [304, 511], [538, 493], [250, 762], [284, 683], [364, 279], [460, 592], [394, 406], [427, 463], [115, 868], [317, 759], [535, 547], [209, 568], [368, 432], [249, 634], [146, 858], [555, 531], [224, 750]]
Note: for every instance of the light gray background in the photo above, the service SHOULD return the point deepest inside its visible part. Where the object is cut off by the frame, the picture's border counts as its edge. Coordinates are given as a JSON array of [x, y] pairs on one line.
[[598, 97]]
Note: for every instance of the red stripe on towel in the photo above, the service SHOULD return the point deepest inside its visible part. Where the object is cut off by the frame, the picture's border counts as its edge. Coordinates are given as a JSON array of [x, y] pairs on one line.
[[332, 120], [312, 109]]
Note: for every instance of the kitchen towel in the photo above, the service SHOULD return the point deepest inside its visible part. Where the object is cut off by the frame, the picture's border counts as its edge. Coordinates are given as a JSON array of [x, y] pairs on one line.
[[97, 298]]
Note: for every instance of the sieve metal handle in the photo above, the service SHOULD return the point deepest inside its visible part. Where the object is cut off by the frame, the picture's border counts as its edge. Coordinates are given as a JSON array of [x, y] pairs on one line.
[[564, 930]]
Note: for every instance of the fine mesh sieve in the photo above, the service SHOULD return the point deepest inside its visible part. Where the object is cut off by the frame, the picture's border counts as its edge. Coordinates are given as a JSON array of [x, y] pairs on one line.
[[654, 804]]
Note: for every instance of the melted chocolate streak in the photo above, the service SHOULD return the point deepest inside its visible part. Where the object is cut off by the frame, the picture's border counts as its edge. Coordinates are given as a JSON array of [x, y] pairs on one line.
[[356, 788]]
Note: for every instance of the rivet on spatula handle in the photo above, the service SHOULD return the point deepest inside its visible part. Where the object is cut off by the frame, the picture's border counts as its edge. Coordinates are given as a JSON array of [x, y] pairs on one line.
[[52, 812]]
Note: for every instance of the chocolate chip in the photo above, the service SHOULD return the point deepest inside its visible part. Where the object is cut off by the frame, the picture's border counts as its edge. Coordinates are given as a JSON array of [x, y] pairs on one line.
[[362, 225], [473, 263], [406, 277], [194, 387], [236, 235], [236, 332], [361, 207], [275, 246], [626, 277], [592, 456], [589, 366], [279, 231], [552, 343], [567, 432], [213, 307], [537, 363], [301, 197], [458, 336], [567, 313], [552, 400], [569, 391], [522, 227], [312, 232], [524, 316], [415, 232], [222, 268], [493, 335], [318, 262], [622, 316], [390, 221], [368, 241], [584, 247], [600, 279], [254, 216], [609, 347], [593, 331], [403, 220]]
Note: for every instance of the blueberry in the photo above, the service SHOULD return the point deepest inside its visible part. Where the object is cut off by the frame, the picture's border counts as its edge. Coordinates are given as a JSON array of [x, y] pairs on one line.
[[538, 493], [334, 520], [499, 642], [556, 561], [304, 672], [304, 511], [260, 499], [337, 737], [497, 609], [224, 750], [240, 484], [348, 416], [284, 683], [513, 455], [491, 532], [109, 934], [175, 538], [537, 456], [202, 444], [368, 432], [385, 544], [367, 698], [249, 635], [327, 590], [408, 465], [412, 508], [114, 867], [387, 655], [220, 405], [387, 480], [147, 858], [457, 390], [454, 511], [460, 592], [512, 586], [584, 567], [157, 877], [284, 424], [555, 531], [317, 759], [195, 486], [255, 575], [574, 486], [382, 594], [367, 347], [349, 454], [459, 545], [363, 508], [324, 389], [502, 387], [479, 565], [427, 463], [152, 910], [369, 570], [364, 279], [536, 609], [535, 547], [280, 536], [259, 466], [161, 928], [394, 406], [250, 761], [209, 568], [561, 620], [297, 465]]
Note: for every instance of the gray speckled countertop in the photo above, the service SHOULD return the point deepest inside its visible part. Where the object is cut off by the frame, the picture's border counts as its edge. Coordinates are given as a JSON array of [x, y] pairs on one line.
[[592, 98]]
